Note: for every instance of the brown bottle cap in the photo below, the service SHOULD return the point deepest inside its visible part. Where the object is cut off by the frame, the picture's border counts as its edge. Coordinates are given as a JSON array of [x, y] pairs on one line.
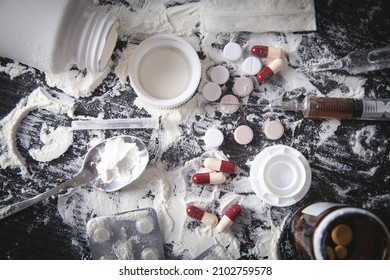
[[342, 235]]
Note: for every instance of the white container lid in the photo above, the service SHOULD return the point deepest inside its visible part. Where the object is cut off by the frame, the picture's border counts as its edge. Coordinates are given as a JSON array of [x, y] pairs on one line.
[[280, 175], [164, 71]]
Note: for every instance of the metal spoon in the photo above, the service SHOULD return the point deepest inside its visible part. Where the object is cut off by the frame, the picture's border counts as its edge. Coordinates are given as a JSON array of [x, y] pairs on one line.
[[87, 174]]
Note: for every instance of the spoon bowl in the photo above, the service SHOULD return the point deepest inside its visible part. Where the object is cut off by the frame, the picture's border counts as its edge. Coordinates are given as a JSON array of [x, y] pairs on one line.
[[89, 172]]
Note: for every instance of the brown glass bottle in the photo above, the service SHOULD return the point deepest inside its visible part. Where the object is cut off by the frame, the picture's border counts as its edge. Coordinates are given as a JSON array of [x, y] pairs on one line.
[[312, 228]]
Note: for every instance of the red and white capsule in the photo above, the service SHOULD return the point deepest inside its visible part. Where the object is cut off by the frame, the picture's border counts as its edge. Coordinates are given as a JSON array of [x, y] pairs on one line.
[[228, 219], [266, 52], [220, 165], [202, 216], [270, 70], [212, 178]]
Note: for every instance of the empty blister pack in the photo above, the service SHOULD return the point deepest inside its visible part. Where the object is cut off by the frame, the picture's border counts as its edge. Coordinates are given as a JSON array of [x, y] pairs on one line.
[[132, 235]]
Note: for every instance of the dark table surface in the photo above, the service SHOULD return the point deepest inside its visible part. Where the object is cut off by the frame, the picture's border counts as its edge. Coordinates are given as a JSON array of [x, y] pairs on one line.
[[342, 26]]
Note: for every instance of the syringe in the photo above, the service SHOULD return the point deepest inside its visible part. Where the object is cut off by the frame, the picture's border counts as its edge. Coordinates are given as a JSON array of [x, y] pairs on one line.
[[359, 61], [340, 108], [332, 107]]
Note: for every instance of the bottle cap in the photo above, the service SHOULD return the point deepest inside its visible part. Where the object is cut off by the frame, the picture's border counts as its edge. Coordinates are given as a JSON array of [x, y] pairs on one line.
[[232, 51], [164, 71], [280, 175], [219, 74]]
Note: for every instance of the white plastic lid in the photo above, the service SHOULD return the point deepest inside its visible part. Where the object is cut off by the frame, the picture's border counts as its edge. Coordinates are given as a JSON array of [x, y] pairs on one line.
[[232, 51], [252, 65], [280, 175], [211, 91], [164, 71], [219, 74], [213, 138]]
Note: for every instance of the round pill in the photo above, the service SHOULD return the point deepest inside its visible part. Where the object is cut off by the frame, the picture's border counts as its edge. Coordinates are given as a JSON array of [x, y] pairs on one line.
[[243, 134], [243, 86], [213, 138], [102, 234], [145, 225], [273, 129], [341, 252], [211, 91], [342, 235], [229, 104], [232, 51], [219, 74], [149, 254], [252, 65]]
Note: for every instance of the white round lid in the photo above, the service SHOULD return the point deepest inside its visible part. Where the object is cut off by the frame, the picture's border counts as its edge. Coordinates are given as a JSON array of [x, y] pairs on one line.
[[280, 175], [232, 51], [164, 71], [219, 74]]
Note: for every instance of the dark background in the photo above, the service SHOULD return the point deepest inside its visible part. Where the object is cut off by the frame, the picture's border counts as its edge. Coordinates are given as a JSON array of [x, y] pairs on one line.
[[343, 26]]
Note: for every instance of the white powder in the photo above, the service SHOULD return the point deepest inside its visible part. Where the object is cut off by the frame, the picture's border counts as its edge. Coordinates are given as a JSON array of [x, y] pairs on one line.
[[15, 69], [168, 189], [118, 160], [38, 99], [56, 142]]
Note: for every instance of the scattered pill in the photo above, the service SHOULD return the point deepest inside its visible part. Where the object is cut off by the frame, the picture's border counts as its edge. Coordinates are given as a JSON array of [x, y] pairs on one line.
[[232, 51], [267, 52], [243, 134], [101, 234], [331, 253], [341, 252], [273, 130], [211, 91], [229, 104], [342, 235], [219, 74], [220, 165], [243, 86], [270, 70], [202, 216], [213, 178], [228, 219], [145, 225], [213, 138], [252, 65], [149, 254]]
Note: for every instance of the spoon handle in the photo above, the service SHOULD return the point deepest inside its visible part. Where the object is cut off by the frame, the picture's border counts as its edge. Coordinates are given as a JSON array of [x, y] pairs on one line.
[[19, 206]]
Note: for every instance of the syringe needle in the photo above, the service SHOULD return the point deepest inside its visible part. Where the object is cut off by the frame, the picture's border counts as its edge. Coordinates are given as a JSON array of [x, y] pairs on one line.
[[264, 106]]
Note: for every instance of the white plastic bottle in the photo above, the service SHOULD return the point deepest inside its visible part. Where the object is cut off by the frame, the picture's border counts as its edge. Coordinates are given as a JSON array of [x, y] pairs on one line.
[[54, 35]]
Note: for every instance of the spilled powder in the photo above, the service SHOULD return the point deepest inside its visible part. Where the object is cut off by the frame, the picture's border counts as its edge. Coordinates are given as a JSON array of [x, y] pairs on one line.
[[167, 186]]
